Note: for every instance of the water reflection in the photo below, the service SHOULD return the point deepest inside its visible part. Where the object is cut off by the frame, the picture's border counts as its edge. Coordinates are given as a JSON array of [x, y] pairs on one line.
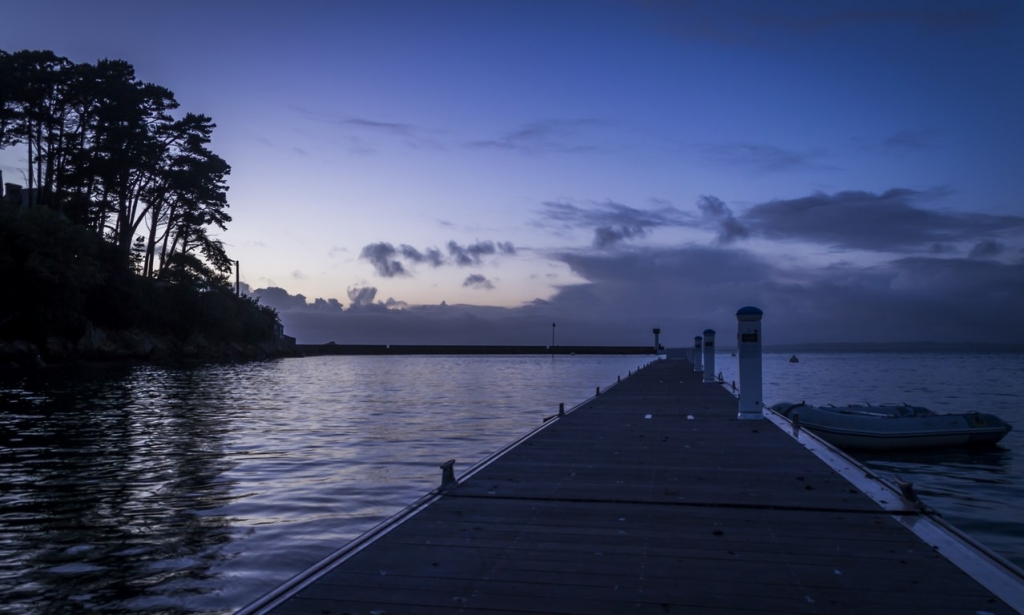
[[119, 471], [154, 489]]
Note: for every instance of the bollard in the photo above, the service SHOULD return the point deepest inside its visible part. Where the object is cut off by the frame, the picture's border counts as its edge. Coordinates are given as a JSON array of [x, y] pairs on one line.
[[447, 474], [698, 365], [598, 392], [709, 355], [618, 379], [748, 341], [561, 409]]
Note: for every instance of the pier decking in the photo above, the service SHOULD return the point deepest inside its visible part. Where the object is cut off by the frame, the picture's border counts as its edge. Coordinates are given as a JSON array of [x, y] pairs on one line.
[[650, 498]]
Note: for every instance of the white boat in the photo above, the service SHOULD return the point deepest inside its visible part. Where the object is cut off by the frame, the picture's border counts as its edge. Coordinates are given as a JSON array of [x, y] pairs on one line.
[[891, 427]]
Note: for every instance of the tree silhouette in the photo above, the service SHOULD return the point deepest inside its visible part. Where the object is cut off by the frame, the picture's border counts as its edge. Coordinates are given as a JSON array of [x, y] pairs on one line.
[[107, 158], [104, 150]]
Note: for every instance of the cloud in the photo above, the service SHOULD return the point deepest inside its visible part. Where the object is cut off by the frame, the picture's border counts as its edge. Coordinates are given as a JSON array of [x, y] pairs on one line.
[[382, 256], [471, 254], [389, 127], [687, 289], [987, 248], [760, 158], [282, 301], [409, 134], [613, 223], [385, 258], [888, 222], [477, 281], [544, 137], [327, 305], [717, 213], [431, 256], [361, 296], [607, 236]]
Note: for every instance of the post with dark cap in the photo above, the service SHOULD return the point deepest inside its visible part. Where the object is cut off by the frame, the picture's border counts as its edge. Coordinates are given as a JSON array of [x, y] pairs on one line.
[[657, 344], [709, 355], [698, 365], [748, 343]]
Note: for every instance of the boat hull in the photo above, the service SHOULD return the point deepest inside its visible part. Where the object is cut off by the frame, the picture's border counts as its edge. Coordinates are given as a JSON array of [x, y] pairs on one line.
[[888, 431]]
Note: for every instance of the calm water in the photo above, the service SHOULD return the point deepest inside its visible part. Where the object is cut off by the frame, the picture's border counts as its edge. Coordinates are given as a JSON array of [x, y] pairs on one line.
[[196, 490]]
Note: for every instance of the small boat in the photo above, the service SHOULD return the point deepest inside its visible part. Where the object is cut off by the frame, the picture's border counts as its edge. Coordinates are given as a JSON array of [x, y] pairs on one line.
[[793, 359], [892, 427]]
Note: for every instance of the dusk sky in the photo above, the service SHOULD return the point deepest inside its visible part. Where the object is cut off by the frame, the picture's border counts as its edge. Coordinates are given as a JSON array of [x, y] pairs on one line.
[[470, 172]]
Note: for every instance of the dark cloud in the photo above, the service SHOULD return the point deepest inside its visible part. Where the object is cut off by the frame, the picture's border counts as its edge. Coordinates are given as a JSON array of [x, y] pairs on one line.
[[327, 305], [716, 213], [361, 295], [431, 256], [613, 222], [472, 254], [607, 236], [279, 299], [382, 256], [385, 258], [889, 222], [760, 158], [477, 281], [544, 136], [987, 248], [282, 301]]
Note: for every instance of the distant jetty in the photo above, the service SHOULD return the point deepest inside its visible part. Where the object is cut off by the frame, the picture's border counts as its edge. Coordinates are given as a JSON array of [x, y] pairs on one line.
[[435, 349]]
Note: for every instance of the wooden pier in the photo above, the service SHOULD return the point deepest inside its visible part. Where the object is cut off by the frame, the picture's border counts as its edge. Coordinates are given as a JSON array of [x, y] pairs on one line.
[[650, 498]]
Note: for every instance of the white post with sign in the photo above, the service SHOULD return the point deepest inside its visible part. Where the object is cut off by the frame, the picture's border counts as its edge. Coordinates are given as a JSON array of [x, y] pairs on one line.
[[748, 343], [709, 355], [698, 366]]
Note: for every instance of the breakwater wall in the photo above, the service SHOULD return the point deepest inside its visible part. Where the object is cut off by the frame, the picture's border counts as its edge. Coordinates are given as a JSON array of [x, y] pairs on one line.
[[435, 349]]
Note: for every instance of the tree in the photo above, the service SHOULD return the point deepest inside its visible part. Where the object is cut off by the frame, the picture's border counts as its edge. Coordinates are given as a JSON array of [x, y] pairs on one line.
[[104, 149]]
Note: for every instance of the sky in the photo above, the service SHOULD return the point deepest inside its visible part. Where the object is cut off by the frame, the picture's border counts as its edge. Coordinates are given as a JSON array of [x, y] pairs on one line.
[[474, 171]]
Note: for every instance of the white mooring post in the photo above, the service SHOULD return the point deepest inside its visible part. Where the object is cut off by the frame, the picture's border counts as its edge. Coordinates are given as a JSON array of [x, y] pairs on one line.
[[709, 355], [748, 342], [698, 365]]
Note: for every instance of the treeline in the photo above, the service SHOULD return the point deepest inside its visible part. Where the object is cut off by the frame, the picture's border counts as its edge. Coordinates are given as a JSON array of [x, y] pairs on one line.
[[117, 222]]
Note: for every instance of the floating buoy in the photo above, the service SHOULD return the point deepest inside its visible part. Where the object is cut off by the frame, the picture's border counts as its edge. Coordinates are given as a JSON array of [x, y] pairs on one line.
[[793, 359]]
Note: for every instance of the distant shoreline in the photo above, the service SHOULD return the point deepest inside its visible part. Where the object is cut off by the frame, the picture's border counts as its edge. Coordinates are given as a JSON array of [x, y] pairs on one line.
[[465, 349], [495, 349], [898, 347]]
